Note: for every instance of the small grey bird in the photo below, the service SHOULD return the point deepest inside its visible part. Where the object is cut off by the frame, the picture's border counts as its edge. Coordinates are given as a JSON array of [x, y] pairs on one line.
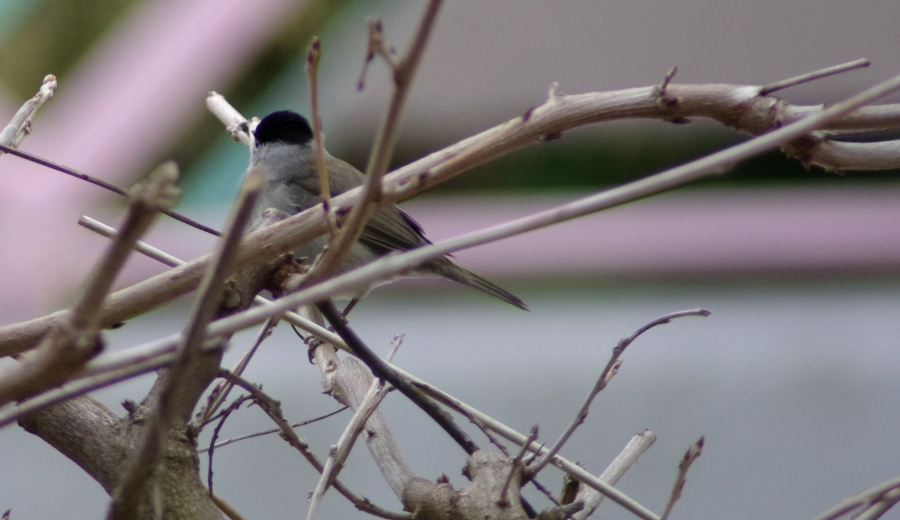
[[285, 146]]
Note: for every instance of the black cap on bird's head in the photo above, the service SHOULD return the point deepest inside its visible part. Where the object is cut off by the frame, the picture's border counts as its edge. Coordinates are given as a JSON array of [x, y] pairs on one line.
[[285, 126]]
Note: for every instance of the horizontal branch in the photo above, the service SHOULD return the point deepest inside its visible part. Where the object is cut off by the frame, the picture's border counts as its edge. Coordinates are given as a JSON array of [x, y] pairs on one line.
[[843, 156]]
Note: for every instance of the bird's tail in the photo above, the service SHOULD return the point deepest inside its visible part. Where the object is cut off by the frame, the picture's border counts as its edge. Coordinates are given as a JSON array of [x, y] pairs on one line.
[[470, 279]]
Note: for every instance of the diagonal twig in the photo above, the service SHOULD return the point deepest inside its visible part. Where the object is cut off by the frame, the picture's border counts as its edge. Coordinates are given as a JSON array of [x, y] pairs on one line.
[[638, 444], [341, 450], [218, 394], [689, 457], [812, 76], [20, 125], [161, 256], [384, 371], [66, 349], [128, 498], [101, 183], [879, 507], [273, 409], [516, 466], [380, 157], [239, 438], [312, 68], [602, 381], [866, 497]]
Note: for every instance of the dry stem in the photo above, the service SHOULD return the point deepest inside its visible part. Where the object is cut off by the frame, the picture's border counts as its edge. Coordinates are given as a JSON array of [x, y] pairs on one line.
[[603, 380], [20, 125]]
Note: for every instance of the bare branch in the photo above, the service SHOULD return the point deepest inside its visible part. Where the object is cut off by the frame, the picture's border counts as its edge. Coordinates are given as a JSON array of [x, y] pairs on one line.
[[737, 106], [841, 156], [689, 457], [139, 245], [812, 76], [161, 256], [237, 125], [868, 496], [312, 68], [604, 378], [516, 466], [233, 440], [129, 497], [218, 395], [226, 508], [215, 435], [341, 450], [101, 183], [273, 409], [20, 125], [384, 371], [638, 444], [379, 159], [67, 349], [512, 435], [880, 507]]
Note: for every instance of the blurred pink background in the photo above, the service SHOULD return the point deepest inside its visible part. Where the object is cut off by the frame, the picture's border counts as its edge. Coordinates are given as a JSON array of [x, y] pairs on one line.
[[146, 78]]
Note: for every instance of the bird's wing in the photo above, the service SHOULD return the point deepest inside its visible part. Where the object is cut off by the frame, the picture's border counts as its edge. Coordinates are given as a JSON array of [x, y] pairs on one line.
[[389, 228]]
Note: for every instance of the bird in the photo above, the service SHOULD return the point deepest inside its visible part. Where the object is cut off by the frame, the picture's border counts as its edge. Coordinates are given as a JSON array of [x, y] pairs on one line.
[[285, 147]]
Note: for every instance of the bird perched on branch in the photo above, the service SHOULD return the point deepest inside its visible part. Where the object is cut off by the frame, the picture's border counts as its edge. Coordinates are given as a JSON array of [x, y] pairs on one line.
[[286, 147]]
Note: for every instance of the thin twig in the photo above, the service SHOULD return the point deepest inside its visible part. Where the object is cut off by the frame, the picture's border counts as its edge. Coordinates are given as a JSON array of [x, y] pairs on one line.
[[67, 349], [604, 378], [376, 47], [128, 497], [629, 455], [812, 76], [379, 159], [238, 126], [341, 450], [239, 438], [215, 435], [666, 80], [384, 371], [20, 125], [689, 457], [515, 466], [312, 69], [396, 343], [101, 183], [273, 409], [221, 390], [161, 256]]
